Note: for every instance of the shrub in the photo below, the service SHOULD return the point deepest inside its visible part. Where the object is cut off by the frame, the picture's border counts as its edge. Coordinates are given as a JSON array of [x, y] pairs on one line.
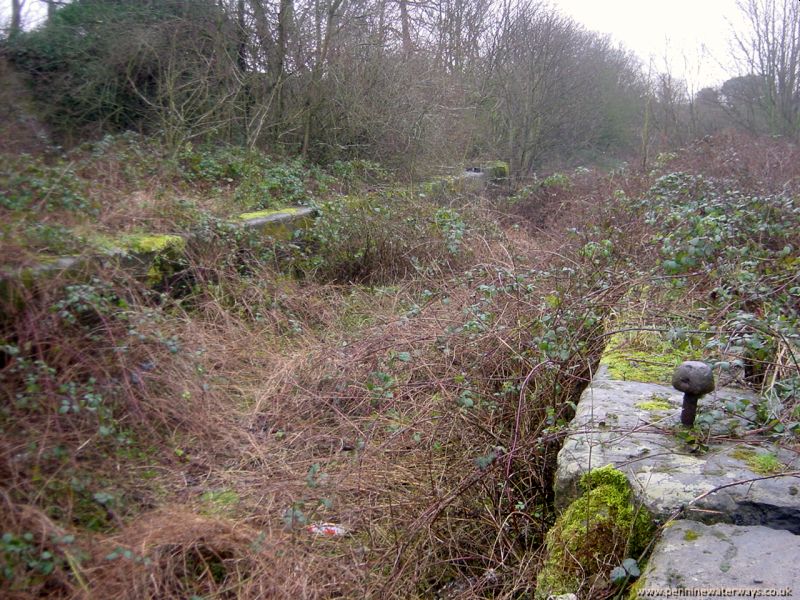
[[112, 66], [381, 237]]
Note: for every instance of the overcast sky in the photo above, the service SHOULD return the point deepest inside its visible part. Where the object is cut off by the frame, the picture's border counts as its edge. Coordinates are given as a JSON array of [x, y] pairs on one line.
[[692, 34]]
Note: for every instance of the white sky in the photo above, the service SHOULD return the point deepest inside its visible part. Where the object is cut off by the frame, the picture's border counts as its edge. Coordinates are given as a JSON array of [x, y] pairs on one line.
[[692, 34]]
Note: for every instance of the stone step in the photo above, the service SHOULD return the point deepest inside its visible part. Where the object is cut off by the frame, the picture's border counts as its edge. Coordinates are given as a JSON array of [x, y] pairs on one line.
[[715, 561], [144, 255], [636, 428]]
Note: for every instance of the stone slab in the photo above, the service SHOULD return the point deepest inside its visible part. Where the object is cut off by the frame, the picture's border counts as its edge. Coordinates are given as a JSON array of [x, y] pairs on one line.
[[632, 426], [723, 561], [280, 224], [139, 253]]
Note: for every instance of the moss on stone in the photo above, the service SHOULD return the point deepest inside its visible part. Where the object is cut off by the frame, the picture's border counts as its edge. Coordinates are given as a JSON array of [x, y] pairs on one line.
[[763, 463], [155, 254], [691, 535], [158, 244], [655, 403], [292, 210], [601, 526], [497, 169]]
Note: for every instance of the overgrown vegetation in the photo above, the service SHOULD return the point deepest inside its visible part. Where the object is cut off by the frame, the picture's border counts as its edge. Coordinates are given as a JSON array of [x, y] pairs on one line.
[[370, 406], [101, 193], [332, 82], [404, 369]]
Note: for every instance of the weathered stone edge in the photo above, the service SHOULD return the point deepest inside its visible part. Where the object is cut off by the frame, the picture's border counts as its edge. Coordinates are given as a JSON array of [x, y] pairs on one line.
[[139, 258]]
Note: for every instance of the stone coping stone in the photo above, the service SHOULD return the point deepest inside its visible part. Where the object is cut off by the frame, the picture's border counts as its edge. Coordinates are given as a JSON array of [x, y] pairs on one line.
[[723, 561], [632, 426], [287, 215], [138, 251]]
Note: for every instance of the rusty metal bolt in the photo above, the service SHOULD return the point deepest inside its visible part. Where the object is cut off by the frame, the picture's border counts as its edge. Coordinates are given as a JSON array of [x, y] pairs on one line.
[[694, 379]]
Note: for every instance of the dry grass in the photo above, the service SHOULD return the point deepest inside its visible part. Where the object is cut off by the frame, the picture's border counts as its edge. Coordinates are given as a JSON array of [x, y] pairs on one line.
[[423, 415], [369, 407]]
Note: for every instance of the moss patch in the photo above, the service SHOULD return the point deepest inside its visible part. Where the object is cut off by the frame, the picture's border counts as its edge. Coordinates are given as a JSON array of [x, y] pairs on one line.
[[219, 502], [268, 213], [643, 356], [159, 244], [655, 403], [601, 527], [497, 169], [763, 463], [633, 593]]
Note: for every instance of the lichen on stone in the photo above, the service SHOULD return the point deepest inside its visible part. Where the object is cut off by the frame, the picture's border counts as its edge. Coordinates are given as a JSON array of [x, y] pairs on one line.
[[690, 535], [601, 527]]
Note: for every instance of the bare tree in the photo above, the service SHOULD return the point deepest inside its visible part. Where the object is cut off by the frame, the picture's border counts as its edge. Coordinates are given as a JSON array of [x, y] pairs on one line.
[[412, 83], [770, 50]]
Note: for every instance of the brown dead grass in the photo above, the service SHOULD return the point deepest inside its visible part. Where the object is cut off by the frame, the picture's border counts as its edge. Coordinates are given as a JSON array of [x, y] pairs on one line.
[[760, 164], [277, 398], [344, 403]]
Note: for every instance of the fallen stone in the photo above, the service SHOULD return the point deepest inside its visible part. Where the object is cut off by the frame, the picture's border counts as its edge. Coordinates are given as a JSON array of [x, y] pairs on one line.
[[754, 561], [636, 428]]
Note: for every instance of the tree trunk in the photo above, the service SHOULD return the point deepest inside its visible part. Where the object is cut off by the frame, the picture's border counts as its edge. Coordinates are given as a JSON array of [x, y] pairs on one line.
[[405, 23], [279, 55], [312, 98], [16, 18]]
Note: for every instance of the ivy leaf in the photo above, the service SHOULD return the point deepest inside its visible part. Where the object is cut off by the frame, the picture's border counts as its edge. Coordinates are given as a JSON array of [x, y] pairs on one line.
[[618, 575], [483, 462], [670, 266], [628, 569], [632, 567]]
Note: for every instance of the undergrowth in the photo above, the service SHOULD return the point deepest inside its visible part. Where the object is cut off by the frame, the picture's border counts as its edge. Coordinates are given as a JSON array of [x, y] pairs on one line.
[[87, 198], [404, 369]]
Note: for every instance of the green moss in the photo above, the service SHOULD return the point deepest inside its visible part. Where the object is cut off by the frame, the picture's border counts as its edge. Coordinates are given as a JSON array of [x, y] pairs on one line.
[[220, 501], [656, 403], [690, 535], [633, 593], [281, 229], [268, 213], [601, 526], [156, 255], [764, 463], [643, 356], [158, 244], [497, 169]]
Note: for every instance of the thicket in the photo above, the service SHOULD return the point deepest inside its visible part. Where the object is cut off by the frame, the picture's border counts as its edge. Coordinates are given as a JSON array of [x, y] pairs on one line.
[[332, 80], [417, 86]]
